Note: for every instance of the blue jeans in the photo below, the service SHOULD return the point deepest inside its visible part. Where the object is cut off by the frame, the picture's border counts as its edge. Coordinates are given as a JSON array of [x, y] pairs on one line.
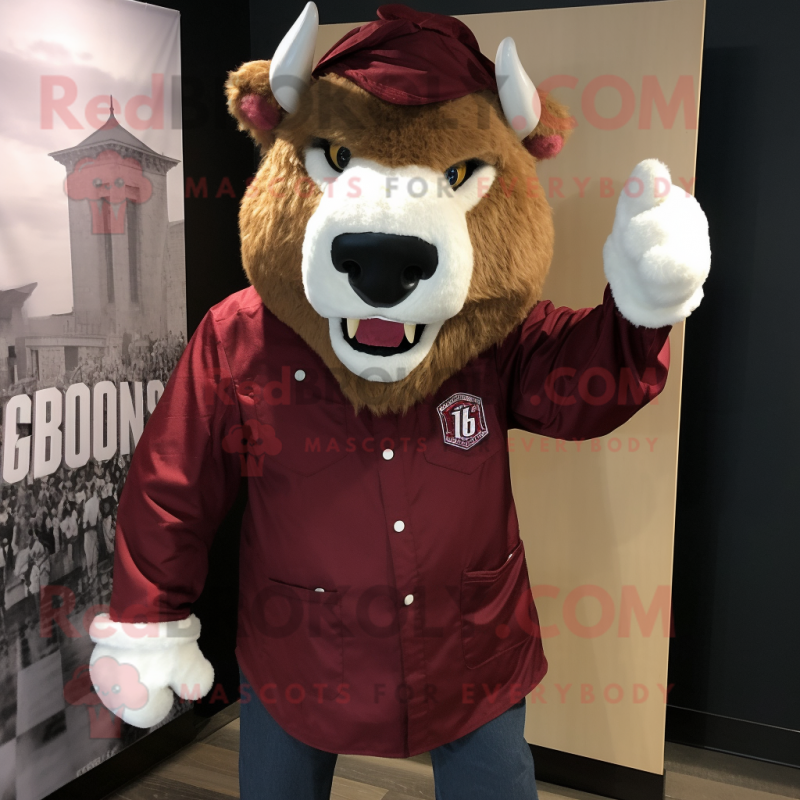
[[493, 761]]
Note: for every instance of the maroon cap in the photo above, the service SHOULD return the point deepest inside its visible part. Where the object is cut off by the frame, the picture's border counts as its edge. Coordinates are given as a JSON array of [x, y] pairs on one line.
[[411, 58]]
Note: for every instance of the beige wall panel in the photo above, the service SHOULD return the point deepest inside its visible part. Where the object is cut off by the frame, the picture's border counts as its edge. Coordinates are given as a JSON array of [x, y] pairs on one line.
[[597, 517]]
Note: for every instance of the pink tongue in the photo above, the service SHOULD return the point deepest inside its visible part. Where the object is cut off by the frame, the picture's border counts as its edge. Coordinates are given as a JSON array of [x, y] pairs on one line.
[[380, 333]]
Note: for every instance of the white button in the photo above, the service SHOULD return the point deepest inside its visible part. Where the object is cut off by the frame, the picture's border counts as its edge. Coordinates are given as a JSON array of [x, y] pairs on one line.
[[409, 599], [388, 454], [319, 590], [299, 375], [399, 525]]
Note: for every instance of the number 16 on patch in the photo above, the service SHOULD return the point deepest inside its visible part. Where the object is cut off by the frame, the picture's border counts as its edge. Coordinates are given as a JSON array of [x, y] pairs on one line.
[[463, 420]]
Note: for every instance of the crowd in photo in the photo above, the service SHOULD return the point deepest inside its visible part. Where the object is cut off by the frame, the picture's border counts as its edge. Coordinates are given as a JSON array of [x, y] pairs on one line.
[[140, 358], [60, 528], [67, 518]]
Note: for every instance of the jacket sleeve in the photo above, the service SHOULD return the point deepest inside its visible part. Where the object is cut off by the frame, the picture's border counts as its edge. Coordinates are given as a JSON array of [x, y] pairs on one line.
[[180, 485], [580, 374]]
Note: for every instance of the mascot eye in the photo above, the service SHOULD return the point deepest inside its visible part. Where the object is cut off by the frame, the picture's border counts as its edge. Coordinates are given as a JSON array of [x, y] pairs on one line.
[[461, 172], [338, 157], [456, 175]]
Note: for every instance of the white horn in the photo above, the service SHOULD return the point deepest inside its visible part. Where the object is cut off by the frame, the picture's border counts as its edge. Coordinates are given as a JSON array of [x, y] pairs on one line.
[[518, 95], [290, 70]]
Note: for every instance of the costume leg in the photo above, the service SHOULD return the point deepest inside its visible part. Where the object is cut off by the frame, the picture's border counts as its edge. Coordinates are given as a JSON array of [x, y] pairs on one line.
[[274, 765], [493, 761]]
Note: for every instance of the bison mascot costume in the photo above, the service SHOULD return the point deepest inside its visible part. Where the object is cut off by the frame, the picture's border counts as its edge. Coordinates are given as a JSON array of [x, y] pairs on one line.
[[396, 245]]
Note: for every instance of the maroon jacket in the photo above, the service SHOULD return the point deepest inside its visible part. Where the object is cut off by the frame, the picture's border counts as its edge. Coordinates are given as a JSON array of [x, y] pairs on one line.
[[385, 606]]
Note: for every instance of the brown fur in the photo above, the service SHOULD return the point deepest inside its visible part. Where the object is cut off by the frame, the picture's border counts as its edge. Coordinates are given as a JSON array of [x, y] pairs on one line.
[[511, 227], [554, 119]]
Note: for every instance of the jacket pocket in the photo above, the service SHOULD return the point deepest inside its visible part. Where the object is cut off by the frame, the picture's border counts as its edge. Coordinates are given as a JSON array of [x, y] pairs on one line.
[[310, 435], [497, 611], [306, 642]]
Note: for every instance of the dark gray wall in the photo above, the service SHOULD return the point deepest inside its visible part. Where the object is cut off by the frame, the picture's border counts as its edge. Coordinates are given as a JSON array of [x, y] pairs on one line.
[[737, 649], [736, 655]]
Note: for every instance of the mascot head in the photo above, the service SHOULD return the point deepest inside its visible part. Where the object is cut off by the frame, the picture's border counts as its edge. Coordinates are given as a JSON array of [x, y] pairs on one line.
[[396, 222]]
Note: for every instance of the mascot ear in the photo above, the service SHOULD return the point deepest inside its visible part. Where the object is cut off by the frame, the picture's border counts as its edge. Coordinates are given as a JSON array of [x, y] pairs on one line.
[[260, 92], [555, 126], [252, 103]]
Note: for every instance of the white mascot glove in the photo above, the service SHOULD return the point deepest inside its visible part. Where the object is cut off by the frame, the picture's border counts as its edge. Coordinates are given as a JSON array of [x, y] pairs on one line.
[[658, 253], [135, 667]]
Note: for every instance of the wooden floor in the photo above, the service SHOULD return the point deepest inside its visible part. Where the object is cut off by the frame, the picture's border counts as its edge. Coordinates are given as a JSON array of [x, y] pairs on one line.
[[207, 770]]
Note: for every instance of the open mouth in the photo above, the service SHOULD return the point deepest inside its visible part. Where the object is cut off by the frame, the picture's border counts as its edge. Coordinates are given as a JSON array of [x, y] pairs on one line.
[[380, 337]]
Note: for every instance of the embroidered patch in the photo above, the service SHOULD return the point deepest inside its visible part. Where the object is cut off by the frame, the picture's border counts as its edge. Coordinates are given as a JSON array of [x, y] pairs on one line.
[[463, 420]]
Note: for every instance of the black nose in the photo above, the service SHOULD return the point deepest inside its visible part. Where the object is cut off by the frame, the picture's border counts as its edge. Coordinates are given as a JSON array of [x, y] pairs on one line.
[[383, 268]]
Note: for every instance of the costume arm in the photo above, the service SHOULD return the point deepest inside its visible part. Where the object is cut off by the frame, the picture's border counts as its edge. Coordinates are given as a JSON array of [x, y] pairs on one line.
[[181, 483], [580, 374], [179, 487]]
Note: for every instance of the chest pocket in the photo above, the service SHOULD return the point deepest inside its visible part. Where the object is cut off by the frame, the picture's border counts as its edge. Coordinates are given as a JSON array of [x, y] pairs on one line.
[[463, 431], [309, 419]]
